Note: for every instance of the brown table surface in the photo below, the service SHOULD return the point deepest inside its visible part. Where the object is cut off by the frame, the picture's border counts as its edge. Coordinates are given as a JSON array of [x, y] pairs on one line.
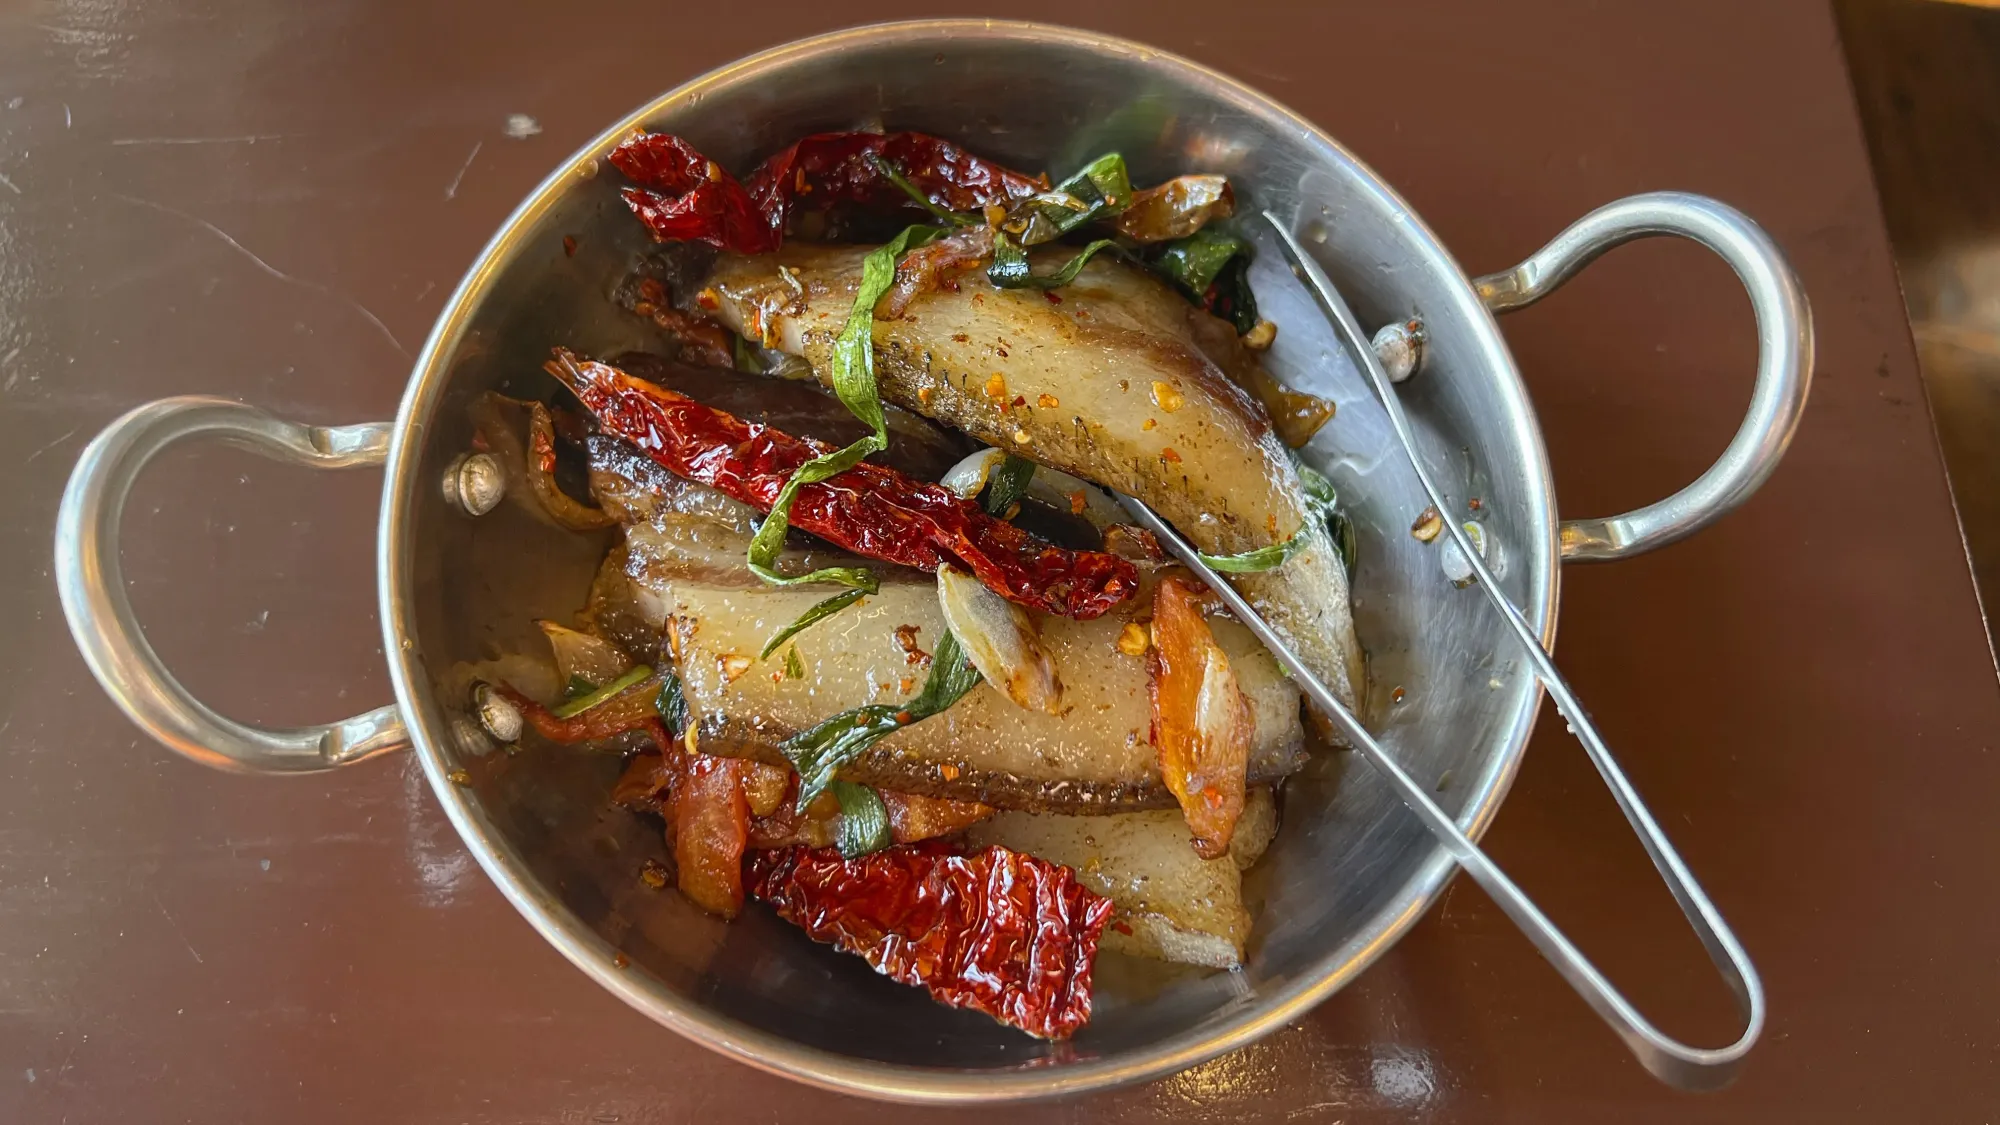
[[270, 201]]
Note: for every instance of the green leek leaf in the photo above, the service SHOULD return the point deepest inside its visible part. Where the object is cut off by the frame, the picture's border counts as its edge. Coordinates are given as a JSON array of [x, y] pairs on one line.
[[591, 699], [672, 704], [853, 373], [810, 617], [821, 751], [1321, 511], [1212, 269], [1261, 559], [1099, 190], [864, 820], [1010, 265], [1008, 483]]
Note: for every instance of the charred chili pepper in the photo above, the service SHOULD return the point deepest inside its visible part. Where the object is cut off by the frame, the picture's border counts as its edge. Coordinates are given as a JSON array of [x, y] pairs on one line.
[[996, 931], [682, 196], [870, 509]]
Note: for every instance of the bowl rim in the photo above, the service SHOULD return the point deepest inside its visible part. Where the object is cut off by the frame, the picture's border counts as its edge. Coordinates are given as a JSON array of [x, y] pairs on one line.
[[776, 1054]]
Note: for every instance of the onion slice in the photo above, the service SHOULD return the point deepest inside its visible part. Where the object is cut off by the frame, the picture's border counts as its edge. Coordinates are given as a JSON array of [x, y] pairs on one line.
[[1001, 641], [1202, 722], [1176, 209], [584, 656], [969, 476]]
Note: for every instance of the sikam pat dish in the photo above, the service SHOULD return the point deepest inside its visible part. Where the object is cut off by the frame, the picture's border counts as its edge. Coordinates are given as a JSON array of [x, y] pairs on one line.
[[883, 651]]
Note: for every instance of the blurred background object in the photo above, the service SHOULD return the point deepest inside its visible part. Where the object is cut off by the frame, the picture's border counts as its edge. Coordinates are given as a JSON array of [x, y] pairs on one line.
[[1927, 82]]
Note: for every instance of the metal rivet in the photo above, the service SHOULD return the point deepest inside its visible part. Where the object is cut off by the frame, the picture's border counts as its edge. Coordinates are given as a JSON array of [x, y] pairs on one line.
[[475, 483], [471, 738], [1457, 568], [497, 717], [1400, 347]]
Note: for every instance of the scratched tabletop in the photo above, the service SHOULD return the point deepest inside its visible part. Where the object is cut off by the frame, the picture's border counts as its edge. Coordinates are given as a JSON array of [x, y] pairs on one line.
[[270, 200]]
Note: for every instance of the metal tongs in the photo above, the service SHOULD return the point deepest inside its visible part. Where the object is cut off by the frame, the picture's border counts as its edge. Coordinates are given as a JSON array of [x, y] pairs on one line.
[[1668, 1059]]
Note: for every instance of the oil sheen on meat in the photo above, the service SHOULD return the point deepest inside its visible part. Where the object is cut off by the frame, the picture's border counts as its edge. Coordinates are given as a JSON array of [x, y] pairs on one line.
[[1114, 378], [683, 559]]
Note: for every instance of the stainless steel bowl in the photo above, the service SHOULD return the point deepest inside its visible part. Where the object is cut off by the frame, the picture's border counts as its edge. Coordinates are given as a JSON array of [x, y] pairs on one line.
[[1351, 870]]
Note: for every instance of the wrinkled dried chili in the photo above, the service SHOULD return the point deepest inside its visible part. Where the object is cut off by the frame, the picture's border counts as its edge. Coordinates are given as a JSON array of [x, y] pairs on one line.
[[995, 931], [682, 196], [829, 168], [870, 509]]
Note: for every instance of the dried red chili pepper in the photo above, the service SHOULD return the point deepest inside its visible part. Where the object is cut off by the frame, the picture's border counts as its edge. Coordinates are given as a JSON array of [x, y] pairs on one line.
[[996, 931], [828, 168], [707, 811], [870, 509], [708, 820], [682, 196]]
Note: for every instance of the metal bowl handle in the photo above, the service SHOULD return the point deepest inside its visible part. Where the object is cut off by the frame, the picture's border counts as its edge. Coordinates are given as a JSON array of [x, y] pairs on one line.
[[100, 617], [1784, 356]]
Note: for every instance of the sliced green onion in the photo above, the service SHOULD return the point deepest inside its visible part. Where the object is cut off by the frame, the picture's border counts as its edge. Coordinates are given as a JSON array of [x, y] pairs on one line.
[[1008, 483], [864, 820], [745, 357], [1101, 189], [795, 665], [1321, 510], [672, 704], [1211, 269], [1261, 559], [810, 617], [853, 373], [821, 751], [591, 699], [577, 687], [1341, 530], [1193, 263], [1010, 265]]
